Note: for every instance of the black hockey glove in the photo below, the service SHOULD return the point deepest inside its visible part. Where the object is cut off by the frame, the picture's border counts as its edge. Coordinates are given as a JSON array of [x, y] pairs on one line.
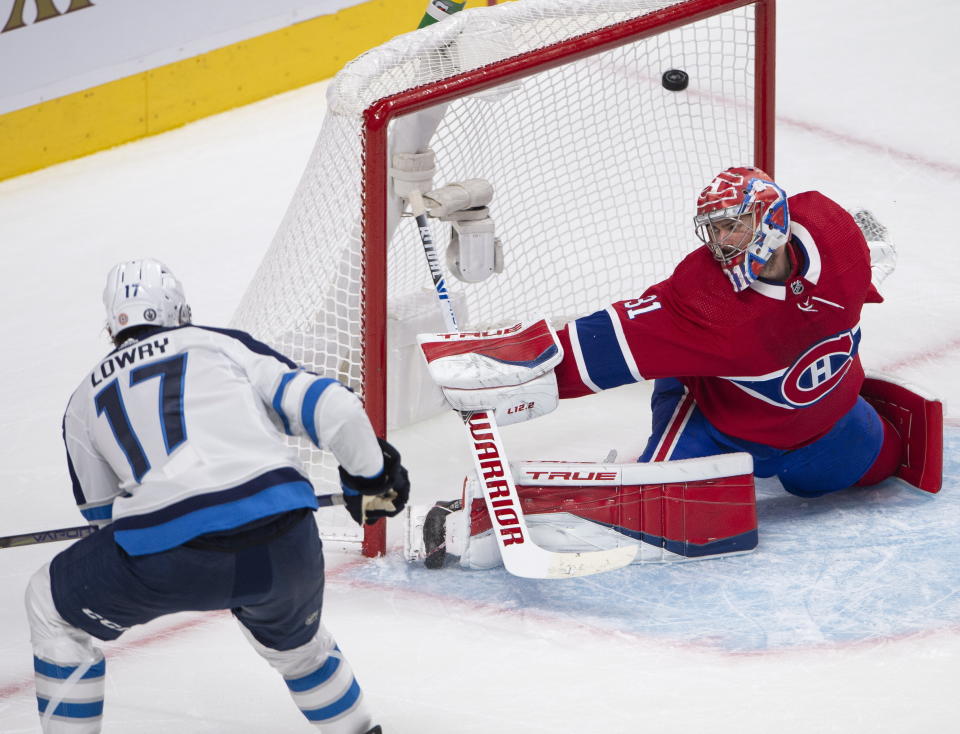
[[385, 495]]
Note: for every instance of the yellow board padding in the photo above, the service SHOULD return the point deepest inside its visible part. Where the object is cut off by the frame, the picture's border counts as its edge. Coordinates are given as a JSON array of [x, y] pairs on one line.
[[160, 99]]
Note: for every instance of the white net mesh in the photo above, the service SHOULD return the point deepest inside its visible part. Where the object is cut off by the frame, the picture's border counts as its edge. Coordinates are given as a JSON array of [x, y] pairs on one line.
[[596, 167]]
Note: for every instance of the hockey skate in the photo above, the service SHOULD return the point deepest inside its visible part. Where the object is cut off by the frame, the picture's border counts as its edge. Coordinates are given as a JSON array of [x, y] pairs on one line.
[[435, 532], [426, 532], [918, 418]]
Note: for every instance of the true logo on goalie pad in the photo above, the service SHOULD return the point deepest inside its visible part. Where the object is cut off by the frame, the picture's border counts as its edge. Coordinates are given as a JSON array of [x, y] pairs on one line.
[[603, 477], [460, 335]]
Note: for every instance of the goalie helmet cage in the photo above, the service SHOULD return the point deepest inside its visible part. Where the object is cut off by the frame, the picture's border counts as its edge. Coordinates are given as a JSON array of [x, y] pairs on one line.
[[595, 165]]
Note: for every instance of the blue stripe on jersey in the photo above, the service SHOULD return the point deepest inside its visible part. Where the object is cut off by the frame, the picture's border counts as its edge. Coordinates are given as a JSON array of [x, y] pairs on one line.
[[318, 677], [214, 498], [73, 710], [309, 406], [213, 512], [250, 343], [272, 501], [74, 479], [62, 672], [92, 514], [602, 355], [344, 703], [278, 400]]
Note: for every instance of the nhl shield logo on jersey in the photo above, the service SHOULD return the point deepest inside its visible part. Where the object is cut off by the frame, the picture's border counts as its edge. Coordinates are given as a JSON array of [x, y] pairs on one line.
[[819, 370], [796, 287]]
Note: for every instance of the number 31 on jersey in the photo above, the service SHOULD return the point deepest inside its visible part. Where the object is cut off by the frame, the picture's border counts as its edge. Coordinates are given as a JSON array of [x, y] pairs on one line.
[[641, 306]]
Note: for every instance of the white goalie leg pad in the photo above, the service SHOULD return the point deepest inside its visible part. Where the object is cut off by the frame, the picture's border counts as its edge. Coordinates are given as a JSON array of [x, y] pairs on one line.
[[560, 532], [684, 510], [69, 671], [321, 682]]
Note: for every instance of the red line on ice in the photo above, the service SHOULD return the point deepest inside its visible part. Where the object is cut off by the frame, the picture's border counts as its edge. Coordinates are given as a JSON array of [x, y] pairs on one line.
[[121, 649], [951, 169], [939, 352]]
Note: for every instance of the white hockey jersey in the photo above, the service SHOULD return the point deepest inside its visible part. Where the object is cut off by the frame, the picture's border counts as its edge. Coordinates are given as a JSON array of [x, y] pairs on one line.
[[181, 434]]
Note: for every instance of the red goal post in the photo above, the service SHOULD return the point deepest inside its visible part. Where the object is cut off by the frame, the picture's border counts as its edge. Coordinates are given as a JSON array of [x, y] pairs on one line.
[[585, 109]]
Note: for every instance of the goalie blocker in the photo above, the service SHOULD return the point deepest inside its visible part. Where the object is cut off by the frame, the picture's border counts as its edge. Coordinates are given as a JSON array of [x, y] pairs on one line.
[[677, 511]]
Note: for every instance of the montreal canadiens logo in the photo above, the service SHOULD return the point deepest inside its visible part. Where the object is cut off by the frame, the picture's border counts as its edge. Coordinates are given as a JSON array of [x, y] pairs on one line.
[[819, 370]]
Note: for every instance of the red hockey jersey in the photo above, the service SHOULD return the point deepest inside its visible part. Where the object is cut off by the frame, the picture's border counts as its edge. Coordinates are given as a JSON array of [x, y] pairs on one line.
[[776, 364]]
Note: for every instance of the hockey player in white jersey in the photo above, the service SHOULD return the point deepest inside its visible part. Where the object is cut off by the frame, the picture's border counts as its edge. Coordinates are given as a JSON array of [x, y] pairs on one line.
[[175, 447]]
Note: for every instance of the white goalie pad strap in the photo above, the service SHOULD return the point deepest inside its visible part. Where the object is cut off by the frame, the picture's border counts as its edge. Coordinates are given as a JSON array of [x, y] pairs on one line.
[[510, 404], [505, 357]]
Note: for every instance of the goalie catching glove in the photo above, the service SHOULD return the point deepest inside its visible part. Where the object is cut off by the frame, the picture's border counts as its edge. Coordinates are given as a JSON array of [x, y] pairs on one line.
[[508, 372], [384, 495], [883, 253]]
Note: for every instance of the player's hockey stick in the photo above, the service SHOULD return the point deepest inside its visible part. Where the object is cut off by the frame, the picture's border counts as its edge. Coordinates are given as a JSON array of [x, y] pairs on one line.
[[521, 556], [433, 261], [82, 531]]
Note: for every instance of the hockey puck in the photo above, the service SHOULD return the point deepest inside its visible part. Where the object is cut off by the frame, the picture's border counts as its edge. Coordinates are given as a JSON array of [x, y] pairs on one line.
[[675, 80]]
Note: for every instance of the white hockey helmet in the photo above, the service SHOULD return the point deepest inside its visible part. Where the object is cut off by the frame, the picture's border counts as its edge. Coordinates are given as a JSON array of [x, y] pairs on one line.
[[143, 293]]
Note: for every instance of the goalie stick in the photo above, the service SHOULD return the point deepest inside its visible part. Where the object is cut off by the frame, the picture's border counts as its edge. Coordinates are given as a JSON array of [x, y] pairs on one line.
[[82, 531], [521, 556]]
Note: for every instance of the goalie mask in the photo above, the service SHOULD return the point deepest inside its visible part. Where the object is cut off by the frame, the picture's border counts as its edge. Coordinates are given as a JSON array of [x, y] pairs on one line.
[[143, 293], [743, 218]]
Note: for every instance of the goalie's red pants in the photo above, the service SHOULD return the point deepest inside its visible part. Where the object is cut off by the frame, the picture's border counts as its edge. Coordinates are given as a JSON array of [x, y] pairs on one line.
[[860, 448]]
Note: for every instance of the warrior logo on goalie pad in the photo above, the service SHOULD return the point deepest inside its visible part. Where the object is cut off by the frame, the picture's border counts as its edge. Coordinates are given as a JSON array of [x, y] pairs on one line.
[[494, 480]]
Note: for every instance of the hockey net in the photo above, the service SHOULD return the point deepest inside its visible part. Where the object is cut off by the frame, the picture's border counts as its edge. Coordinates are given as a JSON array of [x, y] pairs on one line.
[[595, 165]]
